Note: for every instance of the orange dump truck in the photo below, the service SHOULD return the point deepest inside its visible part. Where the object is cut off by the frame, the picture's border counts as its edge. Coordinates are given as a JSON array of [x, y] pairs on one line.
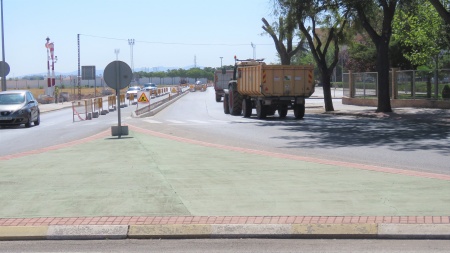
[[268, 88]]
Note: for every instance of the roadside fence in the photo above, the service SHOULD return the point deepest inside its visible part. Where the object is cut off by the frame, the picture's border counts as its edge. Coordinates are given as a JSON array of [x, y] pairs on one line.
[[403, 84]]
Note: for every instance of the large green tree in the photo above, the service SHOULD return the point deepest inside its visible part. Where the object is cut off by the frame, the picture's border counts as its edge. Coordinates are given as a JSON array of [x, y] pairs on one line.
[[441, 7], [421, 30], [322, 22], [368, 13]]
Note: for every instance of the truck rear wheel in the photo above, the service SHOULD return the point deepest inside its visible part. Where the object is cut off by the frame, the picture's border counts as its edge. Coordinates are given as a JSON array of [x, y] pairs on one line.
[[218, 97], [226, 108], [235, 100], [247, 107], [261, 110], [299, 111], [282, 111]]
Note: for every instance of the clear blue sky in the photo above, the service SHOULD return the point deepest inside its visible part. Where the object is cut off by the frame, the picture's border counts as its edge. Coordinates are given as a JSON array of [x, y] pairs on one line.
[[167, 33]]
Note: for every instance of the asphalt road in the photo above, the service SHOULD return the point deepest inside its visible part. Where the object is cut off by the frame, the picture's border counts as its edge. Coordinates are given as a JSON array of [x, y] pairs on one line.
[[413, 144], [230, 245], [60, 126]]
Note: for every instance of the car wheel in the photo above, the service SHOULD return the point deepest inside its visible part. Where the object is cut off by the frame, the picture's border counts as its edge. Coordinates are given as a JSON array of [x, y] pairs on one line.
[[38, 120], [28, 124]]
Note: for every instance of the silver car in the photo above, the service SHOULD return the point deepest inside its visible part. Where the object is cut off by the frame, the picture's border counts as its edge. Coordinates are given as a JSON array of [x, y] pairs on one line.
[[133, 90], [18, 107]]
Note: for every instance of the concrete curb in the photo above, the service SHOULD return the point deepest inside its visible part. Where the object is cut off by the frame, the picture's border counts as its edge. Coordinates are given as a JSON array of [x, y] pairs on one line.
[[189, 231]]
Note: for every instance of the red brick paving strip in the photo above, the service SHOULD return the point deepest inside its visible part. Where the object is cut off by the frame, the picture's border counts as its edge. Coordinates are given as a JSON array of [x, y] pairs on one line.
[[152, 220]]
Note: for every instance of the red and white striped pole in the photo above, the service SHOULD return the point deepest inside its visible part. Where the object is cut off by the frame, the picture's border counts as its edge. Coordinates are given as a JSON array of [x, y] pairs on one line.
[[48, 91], [50, 78]]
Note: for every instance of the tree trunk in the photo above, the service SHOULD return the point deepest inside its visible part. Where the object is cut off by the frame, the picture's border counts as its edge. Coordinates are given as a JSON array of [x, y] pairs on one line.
[[384, 101], [285, 59], [326, 81]]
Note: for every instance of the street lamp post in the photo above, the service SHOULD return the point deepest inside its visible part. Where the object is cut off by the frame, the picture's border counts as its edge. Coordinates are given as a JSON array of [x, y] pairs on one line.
[[221, 61], [117, 51], [131, 43], [254, 50]]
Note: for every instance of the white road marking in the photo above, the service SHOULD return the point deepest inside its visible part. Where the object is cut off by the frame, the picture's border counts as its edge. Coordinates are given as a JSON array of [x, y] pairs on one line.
[[175, 121], [198, 121], [219, 121], [152, 121]]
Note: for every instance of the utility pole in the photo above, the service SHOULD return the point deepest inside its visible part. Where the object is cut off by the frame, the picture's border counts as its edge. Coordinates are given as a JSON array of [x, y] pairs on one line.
[[79, 69], [3, 53]]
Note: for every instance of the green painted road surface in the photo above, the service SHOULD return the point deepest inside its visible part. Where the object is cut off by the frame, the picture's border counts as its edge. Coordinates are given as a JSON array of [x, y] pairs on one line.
[[146, 175]]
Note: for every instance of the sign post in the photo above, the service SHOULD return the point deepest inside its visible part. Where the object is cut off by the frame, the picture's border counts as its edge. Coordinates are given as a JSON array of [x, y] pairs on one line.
[[88, 73], [117, 76], [4, 71]]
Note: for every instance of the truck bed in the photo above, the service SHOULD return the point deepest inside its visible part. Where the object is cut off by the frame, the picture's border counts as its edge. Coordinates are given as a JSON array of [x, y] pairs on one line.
[[276, 80]]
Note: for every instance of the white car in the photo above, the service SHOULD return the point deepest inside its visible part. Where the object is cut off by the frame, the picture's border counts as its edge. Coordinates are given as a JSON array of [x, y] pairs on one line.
[[150, 86], [133, 90]]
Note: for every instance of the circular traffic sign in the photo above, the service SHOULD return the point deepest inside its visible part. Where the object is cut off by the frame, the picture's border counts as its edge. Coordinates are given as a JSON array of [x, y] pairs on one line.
[[117, 75], [4, 68]]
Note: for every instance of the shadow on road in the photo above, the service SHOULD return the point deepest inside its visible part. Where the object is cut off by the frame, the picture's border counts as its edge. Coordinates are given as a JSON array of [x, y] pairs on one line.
[[399, 133]]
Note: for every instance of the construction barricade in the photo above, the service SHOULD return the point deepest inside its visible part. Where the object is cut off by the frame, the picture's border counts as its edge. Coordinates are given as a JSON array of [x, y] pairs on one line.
[[82, 109], [122, 101], [98, 107], [112, 103], [131, 99]]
